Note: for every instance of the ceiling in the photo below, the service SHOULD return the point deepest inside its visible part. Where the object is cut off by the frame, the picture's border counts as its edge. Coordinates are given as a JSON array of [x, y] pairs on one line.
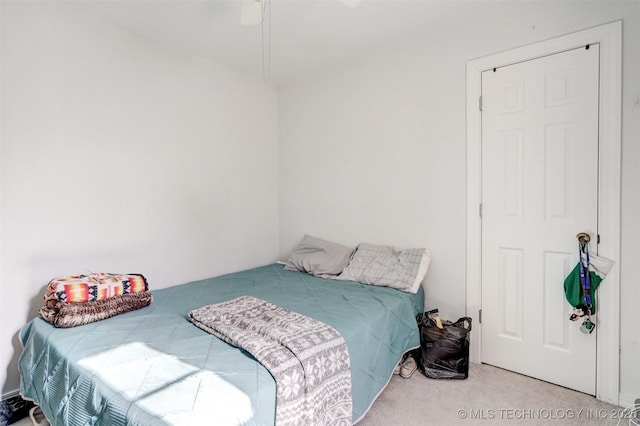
[[308, 37]]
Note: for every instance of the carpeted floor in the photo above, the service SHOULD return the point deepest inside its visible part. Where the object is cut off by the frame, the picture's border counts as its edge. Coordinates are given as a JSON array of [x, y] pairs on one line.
[[490, 395]]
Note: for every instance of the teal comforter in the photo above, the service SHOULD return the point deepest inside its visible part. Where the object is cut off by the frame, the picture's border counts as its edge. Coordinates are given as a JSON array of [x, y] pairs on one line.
[[153, 367]]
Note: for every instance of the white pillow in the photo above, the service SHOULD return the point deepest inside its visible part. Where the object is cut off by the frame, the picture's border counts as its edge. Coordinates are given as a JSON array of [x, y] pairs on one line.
[[425, 262]]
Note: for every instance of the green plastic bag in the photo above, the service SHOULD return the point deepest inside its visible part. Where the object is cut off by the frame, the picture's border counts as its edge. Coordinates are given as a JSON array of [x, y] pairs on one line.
[[599, 267]]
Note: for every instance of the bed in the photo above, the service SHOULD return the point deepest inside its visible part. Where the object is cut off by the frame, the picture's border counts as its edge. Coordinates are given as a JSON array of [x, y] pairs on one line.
[[154, 367]]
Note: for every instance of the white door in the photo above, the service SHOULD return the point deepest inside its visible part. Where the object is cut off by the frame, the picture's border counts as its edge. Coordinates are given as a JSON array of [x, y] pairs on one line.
[[539, 189]]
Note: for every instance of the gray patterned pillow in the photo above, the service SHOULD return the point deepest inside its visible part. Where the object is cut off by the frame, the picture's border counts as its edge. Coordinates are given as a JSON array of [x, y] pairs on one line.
[[388, 266]]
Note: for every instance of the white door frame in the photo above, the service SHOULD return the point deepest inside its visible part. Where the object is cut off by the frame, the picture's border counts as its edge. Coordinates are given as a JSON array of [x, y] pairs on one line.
[[609, 36]]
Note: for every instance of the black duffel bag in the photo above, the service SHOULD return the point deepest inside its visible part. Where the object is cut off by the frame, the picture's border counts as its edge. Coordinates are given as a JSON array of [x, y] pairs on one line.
[[444, 351]]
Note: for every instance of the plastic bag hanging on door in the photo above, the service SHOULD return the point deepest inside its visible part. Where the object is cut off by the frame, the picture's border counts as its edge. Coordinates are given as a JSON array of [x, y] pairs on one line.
[[597, 269]]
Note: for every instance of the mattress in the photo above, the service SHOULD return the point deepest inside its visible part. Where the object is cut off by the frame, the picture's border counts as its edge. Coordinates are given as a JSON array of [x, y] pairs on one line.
[[153, 367]]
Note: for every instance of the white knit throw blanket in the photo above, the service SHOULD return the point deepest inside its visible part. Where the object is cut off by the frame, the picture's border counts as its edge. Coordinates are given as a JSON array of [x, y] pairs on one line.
[[308, 359]]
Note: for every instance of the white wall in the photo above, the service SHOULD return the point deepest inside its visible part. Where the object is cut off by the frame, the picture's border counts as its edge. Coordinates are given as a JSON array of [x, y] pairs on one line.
[[120, 156], [377, 153]]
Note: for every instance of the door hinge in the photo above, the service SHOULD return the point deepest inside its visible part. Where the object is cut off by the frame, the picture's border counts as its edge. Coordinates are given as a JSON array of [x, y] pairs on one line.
[[480, 102], [598, 239], [479, 316], [480, 210]]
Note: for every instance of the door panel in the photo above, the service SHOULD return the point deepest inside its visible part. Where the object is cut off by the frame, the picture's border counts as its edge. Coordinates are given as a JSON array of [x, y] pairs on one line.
[[539, 189]]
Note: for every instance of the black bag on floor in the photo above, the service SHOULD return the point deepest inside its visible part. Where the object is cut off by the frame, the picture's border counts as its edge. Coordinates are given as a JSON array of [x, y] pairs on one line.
[[444, 351]]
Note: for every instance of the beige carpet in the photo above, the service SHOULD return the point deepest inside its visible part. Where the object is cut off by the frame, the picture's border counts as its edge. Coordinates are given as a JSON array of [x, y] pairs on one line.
[[490, 395]]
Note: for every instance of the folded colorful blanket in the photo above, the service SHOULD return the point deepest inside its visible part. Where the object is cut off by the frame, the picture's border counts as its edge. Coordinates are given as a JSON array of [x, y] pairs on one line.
[[307, 358], [92, 287], [65, 315]]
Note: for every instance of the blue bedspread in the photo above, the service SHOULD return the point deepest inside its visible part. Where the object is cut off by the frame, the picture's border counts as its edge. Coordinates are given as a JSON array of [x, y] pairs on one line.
[[153, 367]]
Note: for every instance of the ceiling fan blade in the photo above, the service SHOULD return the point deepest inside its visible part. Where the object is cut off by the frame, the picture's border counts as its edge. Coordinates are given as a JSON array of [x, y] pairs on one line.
[[251, 12]]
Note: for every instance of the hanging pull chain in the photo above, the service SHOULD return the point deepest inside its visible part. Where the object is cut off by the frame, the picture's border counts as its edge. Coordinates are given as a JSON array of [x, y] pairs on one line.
[[266, 45]]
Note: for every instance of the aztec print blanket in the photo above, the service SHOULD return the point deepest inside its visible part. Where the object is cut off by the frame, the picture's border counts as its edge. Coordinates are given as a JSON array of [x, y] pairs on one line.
[[92, 287], [65, 315], [82, 299], [308, 359]]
